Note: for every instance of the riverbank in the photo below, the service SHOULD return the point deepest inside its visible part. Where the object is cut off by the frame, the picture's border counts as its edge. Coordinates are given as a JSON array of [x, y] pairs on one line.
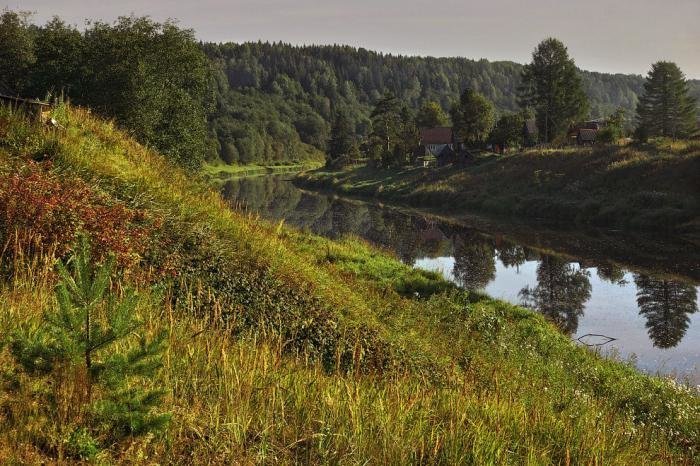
[[587, 280], [221, 171], [287, 347], [652, 188]]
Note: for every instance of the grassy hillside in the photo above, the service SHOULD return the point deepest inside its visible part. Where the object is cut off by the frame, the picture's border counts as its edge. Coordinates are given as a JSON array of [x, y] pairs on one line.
[[652, 187], [285, 347]]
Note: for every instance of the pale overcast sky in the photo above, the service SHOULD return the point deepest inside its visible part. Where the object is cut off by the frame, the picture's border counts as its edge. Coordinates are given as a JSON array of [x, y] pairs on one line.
[[623, 36]]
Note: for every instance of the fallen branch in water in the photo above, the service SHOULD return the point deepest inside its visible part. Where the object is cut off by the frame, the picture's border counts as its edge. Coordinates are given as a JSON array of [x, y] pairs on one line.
[[588, 335]]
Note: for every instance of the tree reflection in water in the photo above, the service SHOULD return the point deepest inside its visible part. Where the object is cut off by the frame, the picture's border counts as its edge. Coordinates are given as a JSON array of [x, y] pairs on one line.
[[561, 292], [475, 264], [611, 273], [666, 305], [512, 255]]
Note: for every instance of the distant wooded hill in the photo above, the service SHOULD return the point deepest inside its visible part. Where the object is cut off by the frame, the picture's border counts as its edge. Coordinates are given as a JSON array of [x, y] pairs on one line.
[[276, 100], [273, 102]]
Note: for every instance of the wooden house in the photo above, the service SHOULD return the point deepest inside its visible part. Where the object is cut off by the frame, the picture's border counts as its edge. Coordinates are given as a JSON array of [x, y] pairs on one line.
[[585, 133], [434, 140], [586, 136]]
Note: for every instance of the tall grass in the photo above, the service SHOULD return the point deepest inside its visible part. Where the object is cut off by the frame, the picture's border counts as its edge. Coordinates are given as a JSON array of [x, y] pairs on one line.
[[286, 348]]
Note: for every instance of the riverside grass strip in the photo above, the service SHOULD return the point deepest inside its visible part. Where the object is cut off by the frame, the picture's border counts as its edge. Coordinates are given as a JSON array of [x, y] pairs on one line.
[[638, 187]]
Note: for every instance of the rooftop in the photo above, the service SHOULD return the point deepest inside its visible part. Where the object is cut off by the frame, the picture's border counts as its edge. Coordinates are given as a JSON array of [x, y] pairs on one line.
[[437, 135]]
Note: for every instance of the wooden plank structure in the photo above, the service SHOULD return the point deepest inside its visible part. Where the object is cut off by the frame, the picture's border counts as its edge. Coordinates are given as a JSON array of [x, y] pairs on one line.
[[35, 109]]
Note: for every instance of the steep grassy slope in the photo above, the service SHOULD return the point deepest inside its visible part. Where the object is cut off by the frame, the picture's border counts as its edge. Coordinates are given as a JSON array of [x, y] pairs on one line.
[[285, 347], [655, 187]]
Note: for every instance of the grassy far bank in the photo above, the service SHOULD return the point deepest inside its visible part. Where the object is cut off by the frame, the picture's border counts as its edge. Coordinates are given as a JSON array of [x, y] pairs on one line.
[[286, 347], [221, 170], [651, 187]]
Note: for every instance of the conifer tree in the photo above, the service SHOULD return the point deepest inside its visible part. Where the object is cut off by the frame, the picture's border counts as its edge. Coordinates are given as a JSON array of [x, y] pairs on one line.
[[551, 86], [666, 109], [342, 136], [386, 120], [408, 138], [386, 129], [92, 346]]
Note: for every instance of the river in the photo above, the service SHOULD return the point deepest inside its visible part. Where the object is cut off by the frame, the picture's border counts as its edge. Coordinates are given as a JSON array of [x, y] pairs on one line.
[[630, 297]]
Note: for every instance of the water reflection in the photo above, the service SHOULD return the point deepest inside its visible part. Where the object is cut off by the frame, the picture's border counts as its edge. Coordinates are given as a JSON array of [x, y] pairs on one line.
[[561, 292], [612, 274], [581, 287], [475, 264], [666, 305], [513, 255]]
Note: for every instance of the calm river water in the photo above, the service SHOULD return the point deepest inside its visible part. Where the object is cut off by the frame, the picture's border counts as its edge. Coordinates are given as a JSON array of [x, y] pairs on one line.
[[641, 292]]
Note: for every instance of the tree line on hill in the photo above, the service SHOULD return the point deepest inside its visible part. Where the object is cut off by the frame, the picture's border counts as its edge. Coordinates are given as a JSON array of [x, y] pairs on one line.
[[152, 78], [342, 87], [268, 102], [551, 94]]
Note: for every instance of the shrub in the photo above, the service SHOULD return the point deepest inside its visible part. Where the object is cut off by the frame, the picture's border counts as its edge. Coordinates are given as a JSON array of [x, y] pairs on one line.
[[40, 209], [609, 135], [649, 199]]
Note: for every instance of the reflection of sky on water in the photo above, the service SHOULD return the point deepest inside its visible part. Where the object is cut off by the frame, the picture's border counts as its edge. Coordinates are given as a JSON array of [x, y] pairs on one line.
[[611, 310]]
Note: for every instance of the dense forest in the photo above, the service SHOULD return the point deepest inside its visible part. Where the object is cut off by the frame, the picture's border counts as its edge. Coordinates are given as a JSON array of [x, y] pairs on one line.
[[271, 92], [253, 102], [152, 78]]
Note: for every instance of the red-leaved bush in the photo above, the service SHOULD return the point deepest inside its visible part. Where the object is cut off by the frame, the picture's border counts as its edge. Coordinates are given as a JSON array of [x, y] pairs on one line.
[[39, 208]]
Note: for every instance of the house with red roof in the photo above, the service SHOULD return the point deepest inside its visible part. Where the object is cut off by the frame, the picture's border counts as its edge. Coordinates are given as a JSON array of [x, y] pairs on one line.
[[434, 140]]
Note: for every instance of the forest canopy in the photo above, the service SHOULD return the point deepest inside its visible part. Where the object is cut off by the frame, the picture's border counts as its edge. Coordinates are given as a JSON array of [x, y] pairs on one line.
[[309, 84], [152, 78], [265, 103]]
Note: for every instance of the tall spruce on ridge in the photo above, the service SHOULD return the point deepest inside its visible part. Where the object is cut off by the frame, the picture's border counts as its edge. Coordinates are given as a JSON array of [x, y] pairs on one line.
[[665, 108], [386, 128], [551, 86]]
